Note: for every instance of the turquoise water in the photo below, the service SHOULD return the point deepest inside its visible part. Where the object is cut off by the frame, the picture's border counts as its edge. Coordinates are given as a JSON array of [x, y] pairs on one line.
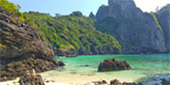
[[142, 66]]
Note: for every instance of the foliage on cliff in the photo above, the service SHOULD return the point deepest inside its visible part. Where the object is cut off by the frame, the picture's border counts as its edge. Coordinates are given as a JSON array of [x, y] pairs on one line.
[[73, 34], [156, 21], [12, 8], [163, 16]]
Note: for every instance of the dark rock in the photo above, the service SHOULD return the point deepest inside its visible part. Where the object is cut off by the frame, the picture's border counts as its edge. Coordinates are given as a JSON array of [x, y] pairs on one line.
[[165, 82], [140, 84], [61, 63], [92, 15], [31, 78], [47, 81], [104, 82], [115, 82], [112, 65], [85, 65], [100, 82]]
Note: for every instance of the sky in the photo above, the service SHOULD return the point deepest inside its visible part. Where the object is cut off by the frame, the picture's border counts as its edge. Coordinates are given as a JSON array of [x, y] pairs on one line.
[[65, 7]]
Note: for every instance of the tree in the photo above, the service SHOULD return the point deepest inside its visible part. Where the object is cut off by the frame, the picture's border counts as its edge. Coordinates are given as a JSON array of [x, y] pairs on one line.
[[57, 15], [77, 14], [18, 7]]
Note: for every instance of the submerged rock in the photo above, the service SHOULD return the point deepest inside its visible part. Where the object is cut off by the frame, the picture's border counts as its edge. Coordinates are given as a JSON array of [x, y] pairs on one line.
[[112, 65], [31, 78]]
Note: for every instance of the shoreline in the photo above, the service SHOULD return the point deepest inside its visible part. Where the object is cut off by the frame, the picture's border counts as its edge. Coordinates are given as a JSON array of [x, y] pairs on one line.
[[76, 73], [56, 56], [152, 80]]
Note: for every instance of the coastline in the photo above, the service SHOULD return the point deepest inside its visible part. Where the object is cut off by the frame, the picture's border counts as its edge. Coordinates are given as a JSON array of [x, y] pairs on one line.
[[62, 80], [77, 73]]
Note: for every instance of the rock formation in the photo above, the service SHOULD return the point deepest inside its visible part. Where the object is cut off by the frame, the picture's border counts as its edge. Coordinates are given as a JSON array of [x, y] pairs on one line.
[[165, 82], [103, 82], [92, 15], [135, 30], [21, 48], [61, 63], [163, 16], [31, 78], [113, 65], [117, 82], [112, 82]]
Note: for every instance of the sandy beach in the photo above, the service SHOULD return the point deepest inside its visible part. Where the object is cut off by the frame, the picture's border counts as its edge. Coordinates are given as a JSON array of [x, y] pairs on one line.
[[64, 79]]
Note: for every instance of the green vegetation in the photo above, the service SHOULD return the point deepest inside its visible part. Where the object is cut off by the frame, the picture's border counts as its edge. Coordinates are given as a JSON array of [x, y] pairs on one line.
[[71, 33], [3, 46], [66, 34], [76, 14], [164, 9], [12, 8], [156, 20], [107, 25]]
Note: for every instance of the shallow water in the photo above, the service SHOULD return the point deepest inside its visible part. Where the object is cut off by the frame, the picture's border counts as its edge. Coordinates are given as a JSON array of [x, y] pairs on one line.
[[85, 68]]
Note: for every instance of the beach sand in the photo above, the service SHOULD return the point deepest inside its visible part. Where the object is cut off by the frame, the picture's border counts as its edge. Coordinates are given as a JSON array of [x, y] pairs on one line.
[[68, 79]]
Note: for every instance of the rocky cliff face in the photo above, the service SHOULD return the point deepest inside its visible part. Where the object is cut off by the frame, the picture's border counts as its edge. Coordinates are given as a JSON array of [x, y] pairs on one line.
[[163, 16], [21, 48], [136, 31]]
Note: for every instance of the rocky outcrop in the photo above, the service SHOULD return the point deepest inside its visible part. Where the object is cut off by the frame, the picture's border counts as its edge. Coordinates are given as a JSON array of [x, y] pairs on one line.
[[163, 16], [156, 80], [113, 65], [117, 82], [21, 48], [165, 82], [112, 82], [92, 15], [31, 78], [136, 31], [103, 82], [61, 63]]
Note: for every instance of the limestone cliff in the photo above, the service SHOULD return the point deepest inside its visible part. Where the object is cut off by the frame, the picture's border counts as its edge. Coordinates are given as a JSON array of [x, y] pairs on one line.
[[135, 30], [163, 16]]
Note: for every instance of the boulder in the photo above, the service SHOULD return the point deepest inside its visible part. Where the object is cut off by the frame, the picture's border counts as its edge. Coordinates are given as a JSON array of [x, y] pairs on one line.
[[165, 82], [61, 63], [112, 82], [113, 65], [99, 82], [117, 82], [31, 78]]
